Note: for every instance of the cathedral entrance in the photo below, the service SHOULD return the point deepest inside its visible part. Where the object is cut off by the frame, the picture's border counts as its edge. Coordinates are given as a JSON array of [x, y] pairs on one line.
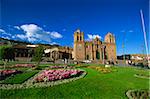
[[97, 55], [87, 57]]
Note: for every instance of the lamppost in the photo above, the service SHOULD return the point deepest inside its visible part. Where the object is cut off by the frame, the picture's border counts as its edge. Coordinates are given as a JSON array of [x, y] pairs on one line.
[[124, 57], [123, 47]]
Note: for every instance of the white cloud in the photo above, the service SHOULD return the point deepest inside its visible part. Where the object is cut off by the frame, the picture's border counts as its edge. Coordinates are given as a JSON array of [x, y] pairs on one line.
[[53, 43], [13, 37], [6, 37], [30, 29], [32, 33], [8, 34], [123, 31], [21, 36], [90, 36], [55, 35], [17, 27], [2, 31], [35, 33]]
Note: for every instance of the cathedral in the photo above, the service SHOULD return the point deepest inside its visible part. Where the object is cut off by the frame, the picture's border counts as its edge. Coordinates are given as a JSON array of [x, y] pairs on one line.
[[95, 50]]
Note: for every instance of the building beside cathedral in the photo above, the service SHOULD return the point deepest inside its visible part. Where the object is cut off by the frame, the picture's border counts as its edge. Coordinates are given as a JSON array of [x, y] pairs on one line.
[[96, 49]]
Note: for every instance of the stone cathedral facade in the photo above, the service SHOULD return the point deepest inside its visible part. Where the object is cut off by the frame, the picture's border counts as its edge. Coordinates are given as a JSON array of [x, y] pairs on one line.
[[95, 49]]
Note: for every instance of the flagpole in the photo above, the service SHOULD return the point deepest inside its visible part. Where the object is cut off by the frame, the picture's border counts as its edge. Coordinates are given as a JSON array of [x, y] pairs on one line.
[[145, 39]]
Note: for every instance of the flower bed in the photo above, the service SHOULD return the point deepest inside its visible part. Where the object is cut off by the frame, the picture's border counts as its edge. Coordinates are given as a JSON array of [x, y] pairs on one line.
[[6, 73], [52, 75], [102, 69], [32, 83], [138, 94], [59, 67], [146, 76], [24, 65]]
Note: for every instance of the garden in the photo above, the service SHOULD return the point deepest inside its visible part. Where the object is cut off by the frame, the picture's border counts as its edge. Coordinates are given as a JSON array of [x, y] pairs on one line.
[[34, 80], [22, 76], [73, 81]]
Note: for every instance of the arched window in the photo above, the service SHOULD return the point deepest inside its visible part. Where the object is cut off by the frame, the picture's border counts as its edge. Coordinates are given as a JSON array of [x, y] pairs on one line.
[[97, 55], [110, 37], [80, 38], [87, 57], [97, 46], [77, 38]]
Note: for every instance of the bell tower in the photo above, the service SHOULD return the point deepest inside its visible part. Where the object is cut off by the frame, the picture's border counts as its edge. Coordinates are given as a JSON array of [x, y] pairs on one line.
[[79, 46], [109, 38], [110, 47]]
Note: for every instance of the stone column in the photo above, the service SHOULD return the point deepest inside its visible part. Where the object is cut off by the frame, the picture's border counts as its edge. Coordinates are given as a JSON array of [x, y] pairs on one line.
[[50, 55]]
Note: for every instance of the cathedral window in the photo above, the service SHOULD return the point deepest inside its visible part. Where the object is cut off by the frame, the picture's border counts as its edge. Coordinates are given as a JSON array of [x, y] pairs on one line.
[[77, 38], [97, 55], [80, 38], [110, 38]]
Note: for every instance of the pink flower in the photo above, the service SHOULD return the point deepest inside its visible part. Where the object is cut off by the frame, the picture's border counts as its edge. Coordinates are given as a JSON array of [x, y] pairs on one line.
[[8, 72], [51, 75]]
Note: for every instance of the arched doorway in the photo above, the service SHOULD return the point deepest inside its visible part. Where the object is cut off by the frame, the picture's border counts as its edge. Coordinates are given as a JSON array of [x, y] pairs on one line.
[[97, 55], [87, 57]]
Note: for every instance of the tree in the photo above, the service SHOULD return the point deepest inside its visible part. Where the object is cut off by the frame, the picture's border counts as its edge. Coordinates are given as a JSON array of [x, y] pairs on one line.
[[7, 53], [38, 54]]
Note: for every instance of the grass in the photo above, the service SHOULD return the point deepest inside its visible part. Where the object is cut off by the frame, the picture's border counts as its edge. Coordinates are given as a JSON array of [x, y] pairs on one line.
[[94, 85], [19, 78], [41, 67]]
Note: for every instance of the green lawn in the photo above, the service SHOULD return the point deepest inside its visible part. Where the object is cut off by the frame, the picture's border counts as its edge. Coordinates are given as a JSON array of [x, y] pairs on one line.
[[19, 78], [93, 85]]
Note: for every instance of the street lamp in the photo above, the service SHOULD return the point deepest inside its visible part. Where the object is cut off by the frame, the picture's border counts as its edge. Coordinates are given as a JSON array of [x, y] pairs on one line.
[[124, 58], [123, 47]]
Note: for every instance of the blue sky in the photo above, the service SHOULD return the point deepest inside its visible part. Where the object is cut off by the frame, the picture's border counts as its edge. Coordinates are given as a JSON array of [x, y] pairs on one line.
[[54, 21]]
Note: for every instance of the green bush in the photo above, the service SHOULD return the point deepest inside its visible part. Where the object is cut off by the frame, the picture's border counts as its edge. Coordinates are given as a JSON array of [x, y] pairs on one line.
[[7, 52], [38, 54]]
